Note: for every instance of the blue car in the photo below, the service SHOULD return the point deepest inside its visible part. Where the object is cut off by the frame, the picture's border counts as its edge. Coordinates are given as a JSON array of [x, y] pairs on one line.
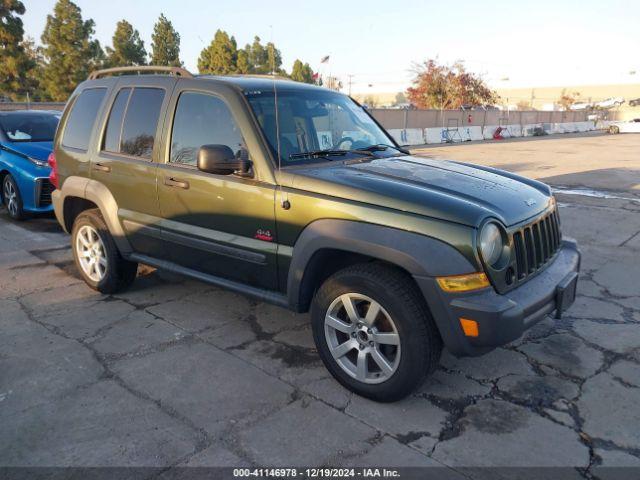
[[26, 140]]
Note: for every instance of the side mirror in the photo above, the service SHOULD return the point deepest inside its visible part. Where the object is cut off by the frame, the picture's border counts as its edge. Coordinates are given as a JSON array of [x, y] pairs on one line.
[[220, 160]]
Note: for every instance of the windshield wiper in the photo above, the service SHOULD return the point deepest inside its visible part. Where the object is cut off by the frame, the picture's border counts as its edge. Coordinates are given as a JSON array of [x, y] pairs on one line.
[[329, 153], [381, 147]]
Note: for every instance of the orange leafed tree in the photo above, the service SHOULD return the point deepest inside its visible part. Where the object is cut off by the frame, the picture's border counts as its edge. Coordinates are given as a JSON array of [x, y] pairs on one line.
[[448, 87]]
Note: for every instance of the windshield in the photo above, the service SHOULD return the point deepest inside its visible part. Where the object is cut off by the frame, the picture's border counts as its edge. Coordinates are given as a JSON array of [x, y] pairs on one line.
[[29, 127], [315, 122]]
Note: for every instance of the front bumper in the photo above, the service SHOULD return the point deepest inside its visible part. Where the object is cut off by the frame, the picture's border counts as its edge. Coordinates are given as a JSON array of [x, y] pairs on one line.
[[501, 318]]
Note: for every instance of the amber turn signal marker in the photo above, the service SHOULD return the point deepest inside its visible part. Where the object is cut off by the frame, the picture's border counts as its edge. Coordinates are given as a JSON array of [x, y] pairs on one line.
[[469, 327], [463, 283]]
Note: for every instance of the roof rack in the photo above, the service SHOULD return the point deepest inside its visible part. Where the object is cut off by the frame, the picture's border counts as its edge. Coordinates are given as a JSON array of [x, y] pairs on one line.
[[177, 71], [246, 75], [260, 75]]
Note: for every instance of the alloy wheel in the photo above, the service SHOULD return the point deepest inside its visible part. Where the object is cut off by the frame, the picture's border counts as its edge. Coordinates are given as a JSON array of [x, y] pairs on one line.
[[10, 197], [91, 253], [362, 338]]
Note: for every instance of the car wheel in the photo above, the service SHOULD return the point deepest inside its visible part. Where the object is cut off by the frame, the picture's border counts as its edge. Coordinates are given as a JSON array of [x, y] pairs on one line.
[[97, 257], [614, 129], [12, 198], [374, 332]]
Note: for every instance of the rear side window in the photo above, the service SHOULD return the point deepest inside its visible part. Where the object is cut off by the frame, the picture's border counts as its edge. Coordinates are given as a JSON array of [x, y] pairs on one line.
[[114, 125], [77, 131], [131, 128]]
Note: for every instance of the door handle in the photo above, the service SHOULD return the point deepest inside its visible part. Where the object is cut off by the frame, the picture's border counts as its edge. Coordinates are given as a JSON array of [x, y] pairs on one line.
[[101, 168], [174, 182]]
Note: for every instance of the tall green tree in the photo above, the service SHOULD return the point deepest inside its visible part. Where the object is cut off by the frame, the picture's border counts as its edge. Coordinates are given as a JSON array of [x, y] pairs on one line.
[[70, 52], [302, 72], [242, 63], [34, 73], [165, 44], [257, 56], [274, 60], [128, 47], [15, 61], [221, 56], [263, 59]]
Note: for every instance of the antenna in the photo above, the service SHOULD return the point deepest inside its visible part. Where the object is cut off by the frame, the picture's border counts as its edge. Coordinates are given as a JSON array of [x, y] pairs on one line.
[[285, 203]]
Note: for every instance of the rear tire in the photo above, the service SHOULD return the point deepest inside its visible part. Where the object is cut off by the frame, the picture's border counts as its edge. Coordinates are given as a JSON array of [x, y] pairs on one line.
[[388, 354], [12, 198], [614, 129], [97, 257]]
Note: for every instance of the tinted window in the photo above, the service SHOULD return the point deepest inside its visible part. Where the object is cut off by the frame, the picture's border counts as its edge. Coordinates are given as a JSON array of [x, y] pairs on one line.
[[114, 125], [83, 115], [29, 126], [202, 119], [140, 122]]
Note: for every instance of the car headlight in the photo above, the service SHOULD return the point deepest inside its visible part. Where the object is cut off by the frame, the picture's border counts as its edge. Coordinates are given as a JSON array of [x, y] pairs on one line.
[[38, 163], [491, 243]]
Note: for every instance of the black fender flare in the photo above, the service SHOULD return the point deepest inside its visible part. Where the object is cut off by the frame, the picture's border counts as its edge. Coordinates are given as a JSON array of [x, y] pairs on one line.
[[419, 255]]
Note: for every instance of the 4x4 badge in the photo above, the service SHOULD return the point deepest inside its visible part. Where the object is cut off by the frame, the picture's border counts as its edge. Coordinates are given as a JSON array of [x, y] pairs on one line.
[[264, 235]]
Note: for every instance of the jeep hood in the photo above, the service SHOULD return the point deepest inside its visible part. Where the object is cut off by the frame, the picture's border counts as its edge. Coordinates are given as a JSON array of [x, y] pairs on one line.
[[448, 190]]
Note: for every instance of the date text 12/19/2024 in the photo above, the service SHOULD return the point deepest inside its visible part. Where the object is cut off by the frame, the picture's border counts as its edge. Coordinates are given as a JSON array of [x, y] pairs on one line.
[[315, 473]]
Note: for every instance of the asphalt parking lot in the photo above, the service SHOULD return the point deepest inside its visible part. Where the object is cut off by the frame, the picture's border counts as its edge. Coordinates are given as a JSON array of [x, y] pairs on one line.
[[176, 372]]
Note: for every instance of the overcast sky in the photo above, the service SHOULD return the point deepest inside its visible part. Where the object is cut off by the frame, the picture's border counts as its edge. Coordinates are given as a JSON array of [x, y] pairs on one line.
[[530, 43]]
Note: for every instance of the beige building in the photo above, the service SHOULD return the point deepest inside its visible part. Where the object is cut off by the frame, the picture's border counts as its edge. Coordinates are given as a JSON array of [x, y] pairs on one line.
[[543, 97]]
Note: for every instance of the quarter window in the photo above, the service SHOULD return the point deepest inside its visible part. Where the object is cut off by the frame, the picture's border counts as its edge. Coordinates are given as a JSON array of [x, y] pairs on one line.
[[79, 126], [203, 119], [114, 125]]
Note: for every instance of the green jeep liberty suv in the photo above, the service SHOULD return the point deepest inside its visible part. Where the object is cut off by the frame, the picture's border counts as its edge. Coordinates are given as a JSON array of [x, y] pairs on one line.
[[295, 195]]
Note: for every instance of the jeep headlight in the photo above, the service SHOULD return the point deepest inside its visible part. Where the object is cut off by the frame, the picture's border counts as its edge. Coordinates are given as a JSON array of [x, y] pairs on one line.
[[491, 243]]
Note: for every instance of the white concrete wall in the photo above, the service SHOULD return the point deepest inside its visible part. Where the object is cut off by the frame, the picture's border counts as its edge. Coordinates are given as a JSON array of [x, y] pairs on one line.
[[417, 136]]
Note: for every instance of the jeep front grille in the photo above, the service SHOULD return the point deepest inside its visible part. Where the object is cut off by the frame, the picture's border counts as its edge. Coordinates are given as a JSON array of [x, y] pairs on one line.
[[536, 243]]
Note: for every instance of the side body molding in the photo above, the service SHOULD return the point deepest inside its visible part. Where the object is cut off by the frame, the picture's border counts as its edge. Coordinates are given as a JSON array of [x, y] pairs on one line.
[[419, 255], [97, 193]]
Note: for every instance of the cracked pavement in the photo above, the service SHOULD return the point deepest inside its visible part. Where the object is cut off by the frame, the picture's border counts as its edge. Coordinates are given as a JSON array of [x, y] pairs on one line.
[[176, 372]]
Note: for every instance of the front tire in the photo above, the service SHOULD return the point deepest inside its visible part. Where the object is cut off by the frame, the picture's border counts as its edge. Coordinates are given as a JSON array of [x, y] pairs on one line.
[[12, 198], [97, 257], [374, 332]]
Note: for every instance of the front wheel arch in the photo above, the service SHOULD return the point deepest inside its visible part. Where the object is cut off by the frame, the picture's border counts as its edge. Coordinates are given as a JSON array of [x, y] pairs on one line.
[[3, 173], [326, 246]]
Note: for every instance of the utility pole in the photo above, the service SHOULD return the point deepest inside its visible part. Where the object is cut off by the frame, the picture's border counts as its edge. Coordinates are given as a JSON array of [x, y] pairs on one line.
[[350, 77]]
